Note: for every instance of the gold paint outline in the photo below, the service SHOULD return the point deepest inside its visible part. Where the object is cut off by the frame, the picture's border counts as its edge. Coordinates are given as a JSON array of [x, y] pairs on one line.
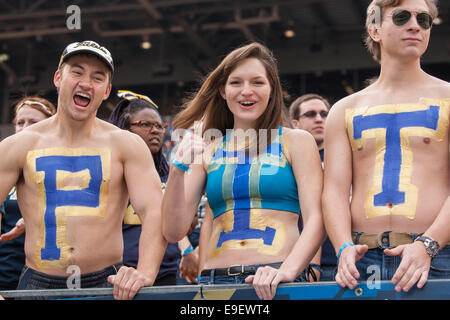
[[257, 221], [63, 212], [408, 208]]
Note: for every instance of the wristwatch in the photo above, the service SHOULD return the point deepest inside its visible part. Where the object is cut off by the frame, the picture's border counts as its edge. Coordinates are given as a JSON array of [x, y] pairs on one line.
[[431, 245]]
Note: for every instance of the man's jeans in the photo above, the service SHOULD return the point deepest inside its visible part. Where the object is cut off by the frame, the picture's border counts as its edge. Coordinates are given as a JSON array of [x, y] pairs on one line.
[[376, 261]]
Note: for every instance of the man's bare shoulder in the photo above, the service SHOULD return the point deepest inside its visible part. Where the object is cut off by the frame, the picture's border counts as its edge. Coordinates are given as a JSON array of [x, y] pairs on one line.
[[439, 88], [113, 132], [438, 82], [14, 149], [105, 126], [24, 139], [355, 100], [38, 129], [118, 135], [125, 141]]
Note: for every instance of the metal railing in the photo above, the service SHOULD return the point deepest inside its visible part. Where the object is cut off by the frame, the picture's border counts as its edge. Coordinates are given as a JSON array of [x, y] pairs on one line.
[[382, 290]]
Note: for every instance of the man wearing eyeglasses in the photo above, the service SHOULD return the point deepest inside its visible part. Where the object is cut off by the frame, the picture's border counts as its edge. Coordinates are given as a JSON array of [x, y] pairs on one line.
[[74, 174], [309, 112], [389, 143]]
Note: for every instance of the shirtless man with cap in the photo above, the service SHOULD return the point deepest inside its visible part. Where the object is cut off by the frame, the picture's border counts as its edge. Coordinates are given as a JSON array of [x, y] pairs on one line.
[[74, 175], [389, 143]]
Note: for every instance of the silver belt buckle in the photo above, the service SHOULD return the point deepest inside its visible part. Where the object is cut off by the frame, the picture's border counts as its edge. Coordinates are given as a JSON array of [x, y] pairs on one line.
[[380, 243], [236, 273]]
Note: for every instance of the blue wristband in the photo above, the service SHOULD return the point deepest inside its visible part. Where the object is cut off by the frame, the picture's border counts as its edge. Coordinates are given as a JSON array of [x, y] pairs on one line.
[[345, 245], [187, 250], [180, 165]]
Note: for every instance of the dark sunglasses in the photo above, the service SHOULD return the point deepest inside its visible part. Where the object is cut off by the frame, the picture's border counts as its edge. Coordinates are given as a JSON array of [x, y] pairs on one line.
[[313, 114], [401, 16], [146, 125]]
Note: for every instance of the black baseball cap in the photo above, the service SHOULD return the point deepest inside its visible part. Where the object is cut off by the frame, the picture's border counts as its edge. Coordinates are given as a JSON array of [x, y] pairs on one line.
[[90, 47]]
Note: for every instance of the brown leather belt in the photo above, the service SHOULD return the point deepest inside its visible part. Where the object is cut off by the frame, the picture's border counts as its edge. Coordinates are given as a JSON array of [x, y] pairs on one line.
[[383, 240]]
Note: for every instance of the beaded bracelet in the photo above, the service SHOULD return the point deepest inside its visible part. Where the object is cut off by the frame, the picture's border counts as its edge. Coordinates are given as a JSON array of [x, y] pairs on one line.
[[187, 250], [180, 165], [345, 245]]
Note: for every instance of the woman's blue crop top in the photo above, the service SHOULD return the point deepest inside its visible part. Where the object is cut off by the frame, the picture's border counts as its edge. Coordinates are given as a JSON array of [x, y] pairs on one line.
[[237, 181]]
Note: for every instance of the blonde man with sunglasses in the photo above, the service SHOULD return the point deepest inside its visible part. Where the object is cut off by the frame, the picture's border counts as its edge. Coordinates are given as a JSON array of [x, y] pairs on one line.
[[390, 144]]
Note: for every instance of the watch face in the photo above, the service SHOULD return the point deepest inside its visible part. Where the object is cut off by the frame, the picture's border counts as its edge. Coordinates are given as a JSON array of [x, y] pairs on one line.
[[432, 247]]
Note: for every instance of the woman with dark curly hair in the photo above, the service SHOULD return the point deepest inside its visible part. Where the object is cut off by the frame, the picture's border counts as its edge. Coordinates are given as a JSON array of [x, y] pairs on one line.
[[140, 115]]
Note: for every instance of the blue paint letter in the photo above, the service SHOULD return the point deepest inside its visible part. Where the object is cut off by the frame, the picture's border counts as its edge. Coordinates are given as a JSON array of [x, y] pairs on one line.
[[393, 123], [89, 197], [241, 225]]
